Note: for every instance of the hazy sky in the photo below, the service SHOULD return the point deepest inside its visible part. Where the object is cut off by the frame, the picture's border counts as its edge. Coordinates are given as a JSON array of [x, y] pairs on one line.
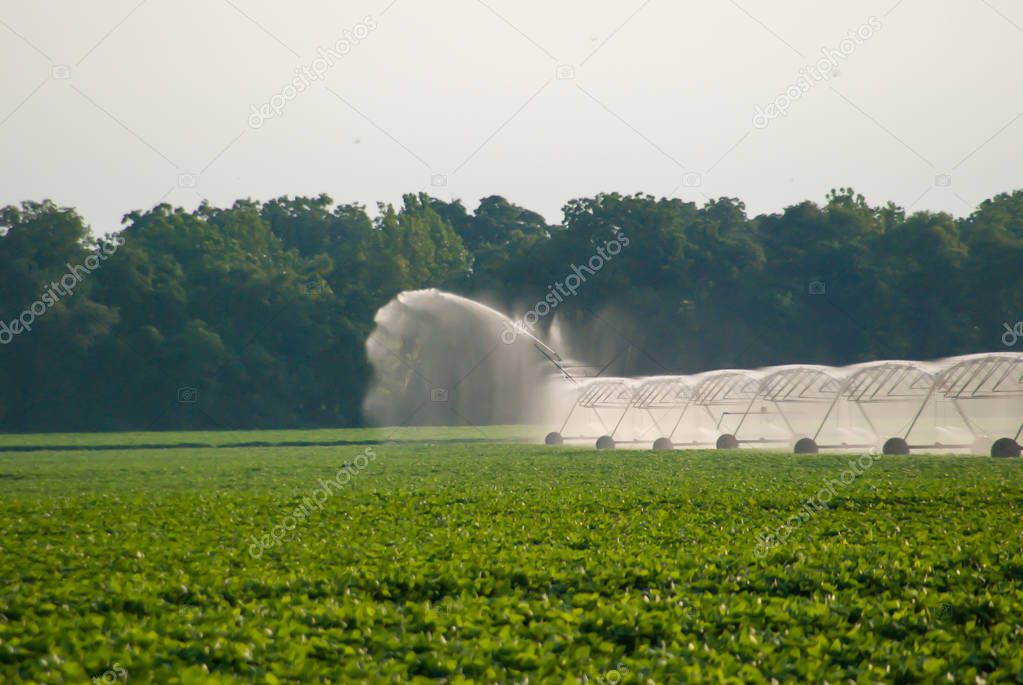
[[111, 106]]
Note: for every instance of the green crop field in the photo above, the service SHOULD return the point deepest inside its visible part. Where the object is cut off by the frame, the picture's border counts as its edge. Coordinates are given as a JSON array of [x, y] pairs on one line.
[[451, 560]]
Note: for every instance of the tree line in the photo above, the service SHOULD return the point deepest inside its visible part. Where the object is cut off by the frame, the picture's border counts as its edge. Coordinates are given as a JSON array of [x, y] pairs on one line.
[[256, 315]]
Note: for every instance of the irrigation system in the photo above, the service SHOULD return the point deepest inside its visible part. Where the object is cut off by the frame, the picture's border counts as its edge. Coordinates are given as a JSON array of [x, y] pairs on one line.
[[436, 341], [963, 404]]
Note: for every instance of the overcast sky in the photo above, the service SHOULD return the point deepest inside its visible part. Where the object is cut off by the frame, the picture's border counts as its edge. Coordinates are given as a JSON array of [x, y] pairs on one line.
[[110, 106]]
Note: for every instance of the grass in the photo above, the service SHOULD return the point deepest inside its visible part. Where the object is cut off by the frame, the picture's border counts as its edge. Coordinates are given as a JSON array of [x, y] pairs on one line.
[[268, 438], [485, 562]]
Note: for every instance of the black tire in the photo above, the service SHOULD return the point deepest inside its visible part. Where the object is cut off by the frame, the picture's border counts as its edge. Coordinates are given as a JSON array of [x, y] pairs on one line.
[[727, 442], [1005, 448], [895, 446], [554, 439], [661, 444], [805, 446], [605, 442]]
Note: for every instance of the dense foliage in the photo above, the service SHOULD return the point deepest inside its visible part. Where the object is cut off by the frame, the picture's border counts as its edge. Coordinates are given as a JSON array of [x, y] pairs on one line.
[[256, 315], [497, 563]]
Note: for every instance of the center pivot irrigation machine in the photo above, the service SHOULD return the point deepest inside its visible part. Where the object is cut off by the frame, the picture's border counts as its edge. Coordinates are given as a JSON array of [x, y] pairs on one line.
[[986, 391], [964, 404], [794, 400], [719, 400], [879, 402], [607, 400], [654, 405]]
